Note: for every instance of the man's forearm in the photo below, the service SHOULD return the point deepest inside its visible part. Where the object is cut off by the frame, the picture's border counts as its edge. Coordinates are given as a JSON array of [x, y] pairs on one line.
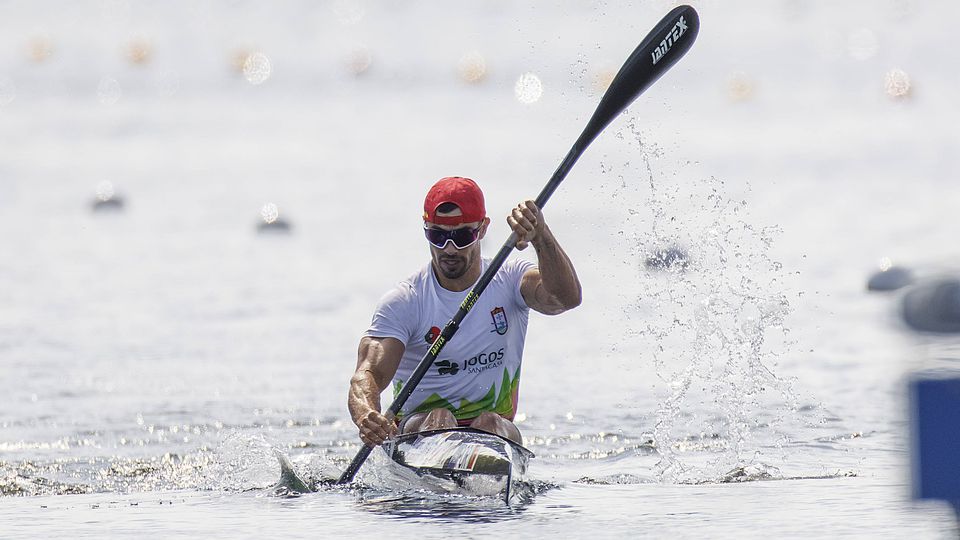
[[558, 276], [364, 395]]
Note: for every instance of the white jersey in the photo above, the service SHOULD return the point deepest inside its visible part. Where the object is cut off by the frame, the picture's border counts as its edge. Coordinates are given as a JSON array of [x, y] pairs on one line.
[[479, 368]]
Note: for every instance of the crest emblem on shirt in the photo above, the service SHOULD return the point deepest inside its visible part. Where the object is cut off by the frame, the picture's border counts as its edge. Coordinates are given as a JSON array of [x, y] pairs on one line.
[[499, 320]]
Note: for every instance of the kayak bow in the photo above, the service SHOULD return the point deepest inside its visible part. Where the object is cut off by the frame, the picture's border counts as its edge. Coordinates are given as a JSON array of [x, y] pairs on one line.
[[465, 456]]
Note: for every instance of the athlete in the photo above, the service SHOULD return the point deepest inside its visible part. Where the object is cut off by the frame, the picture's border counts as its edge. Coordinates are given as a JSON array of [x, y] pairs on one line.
[[475, 379]]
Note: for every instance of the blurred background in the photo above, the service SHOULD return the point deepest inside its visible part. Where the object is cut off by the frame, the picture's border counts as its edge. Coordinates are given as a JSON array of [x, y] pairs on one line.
[[201, 202]]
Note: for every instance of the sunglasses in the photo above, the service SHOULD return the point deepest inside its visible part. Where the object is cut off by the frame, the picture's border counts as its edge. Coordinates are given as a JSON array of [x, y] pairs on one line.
[[462, 238]]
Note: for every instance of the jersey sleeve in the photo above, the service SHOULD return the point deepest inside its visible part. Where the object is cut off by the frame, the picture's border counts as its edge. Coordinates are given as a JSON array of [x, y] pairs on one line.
[[395, 316]]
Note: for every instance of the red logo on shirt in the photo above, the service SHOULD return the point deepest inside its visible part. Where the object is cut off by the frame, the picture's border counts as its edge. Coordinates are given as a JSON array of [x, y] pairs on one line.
[[432, 335]]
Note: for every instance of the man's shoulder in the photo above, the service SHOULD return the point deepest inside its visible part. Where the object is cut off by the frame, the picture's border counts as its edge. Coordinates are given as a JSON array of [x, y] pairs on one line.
[[418, 280], [409, 287]]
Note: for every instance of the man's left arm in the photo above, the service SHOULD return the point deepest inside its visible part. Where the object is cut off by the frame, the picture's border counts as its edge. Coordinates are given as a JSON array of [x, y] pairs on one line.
[[553, 287]]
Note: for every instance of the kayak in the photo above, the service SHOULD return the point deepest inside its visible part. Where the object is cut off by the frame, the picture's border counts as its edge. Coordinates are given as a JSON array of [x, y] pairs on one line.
[[472, 459], [468, 459]]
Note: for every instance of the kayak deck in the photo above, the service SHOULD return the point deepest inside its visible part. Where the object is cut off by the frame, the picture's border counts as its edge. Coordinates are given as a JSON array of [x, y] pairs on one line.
[[465, 456]]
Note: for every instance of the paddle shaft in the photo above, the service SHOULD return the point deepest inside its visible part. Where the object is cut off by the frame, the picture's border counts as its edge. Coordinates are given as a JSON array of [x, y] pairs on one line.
[[662, 47]]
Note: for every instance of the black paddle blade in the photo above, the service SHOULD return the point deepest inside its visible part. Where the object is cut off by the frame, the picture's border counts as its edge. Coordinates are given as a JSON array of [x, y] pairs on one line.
[[290, 482], [659, 51]]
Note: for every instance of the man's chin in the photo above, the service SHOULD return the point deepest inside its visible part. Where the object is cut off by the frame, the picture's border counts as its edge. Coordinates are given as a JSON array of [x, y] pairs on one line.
[[453, 271]]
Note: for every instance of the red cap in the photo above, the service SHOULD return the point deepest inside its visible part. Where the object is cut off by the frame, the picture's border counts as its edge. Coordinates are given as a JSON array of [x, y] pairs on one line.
[[462, 192]]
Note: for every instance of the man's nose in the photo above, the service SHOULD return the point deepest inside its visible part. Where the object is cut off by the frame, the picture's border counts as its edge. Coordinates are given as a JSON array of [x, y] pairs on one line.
[[449, 248]]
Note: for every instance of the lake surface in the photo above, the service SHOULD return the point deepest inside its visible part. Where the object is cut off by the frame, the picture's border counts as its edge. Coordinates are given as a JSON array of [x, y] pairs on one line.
[[154, 358]]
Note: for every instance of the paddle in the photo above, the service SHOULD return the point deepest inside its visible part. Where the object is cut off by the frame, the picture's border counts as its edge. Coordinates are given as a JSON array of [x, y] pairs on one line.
[[662, 47]]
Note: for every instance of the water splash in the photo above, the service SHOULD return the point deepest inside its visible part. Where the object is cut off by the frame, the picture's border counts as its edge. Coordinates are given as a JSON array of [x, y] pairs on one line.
[[713, 326], [101, 475], [241, 462], [238, 462]]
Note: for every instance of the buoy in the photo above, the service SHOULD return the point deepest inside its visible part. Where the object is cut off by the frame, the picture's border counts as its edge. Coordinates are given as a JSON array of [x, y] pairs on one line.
[[107, 199], [933, 306], [890, 278]]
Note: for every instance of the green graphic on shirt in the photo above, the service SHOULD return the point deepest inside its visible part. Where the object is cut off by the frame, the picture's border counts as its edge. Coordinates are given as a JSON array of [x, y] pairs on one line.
[[500, 403]]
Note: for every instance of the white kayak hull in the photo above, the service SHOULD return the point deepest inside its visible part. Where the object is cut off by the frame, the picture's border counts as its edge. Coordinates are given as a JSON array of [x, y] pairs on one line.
[[468, 457]]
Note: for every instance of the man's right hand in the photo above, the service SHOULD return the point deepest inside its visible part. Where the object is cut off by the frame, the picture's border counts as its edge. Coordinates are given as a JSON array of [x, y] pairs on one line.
[[376, 428]]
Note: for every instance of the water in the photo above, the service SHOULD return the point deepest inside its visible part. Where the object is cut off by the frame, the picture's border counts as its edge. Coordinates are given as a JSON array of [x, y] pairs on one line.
[[156, 357]]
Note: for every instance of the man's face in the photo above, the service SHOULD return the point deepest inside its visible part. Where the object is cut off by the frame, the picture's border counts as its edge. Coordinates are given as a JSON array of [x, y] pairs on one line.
[[452, 262]]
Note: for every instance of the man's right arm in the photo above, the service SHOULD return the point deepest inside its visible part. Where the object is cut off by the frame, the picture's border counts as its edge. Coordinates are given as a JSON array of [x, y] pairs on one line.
[[377, 363]]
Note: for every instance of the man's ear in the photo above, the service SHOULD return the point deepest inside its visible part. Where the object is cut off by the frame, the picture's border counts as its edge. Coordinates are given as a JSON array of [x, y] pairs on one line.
[[483, 227]]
